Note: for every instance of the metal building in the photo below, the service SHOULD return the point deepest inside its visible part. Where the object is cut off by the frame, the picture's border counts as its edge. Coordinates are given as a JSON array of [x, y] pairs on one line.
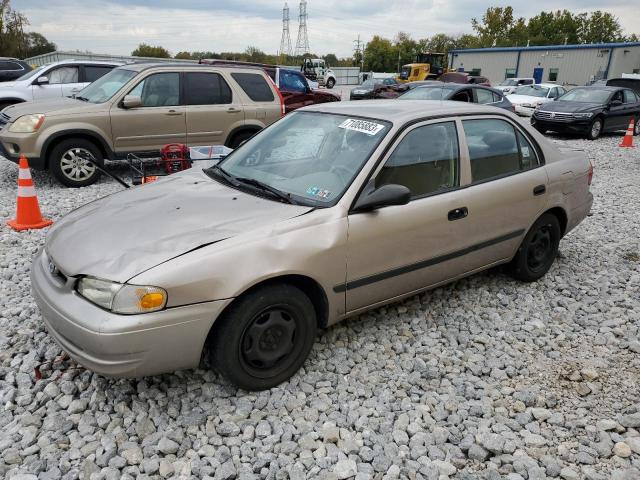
[[562, 64]]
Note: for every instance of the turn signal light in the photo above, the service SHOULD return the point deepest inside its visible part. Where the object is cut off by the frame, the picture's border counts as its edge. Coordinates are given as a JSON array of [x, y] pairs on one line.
[[151, 301]]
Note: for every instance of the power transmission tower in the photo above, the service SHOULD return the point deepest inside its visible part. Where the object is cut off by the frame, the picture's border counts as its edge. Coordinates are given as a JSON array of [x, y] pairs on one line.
[[302, 45], [285, 42], [358, 52]]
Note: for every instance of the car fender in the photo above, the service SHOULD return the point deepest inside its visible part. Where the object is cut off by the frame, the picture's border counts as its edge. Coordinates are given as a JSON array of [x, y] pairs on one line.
[[49, 137]]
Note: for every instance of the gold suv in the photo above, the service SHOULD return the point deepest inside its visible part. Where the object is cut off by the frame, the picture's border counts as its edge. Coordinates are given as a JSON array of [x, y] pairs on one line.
[[137, 109]]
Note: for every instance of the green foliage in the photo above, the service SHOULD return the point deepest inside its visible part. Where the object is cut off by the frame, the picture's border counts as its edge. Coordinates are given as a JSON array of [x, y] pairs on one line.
[[184, 56], [145, 50], [14, 41]]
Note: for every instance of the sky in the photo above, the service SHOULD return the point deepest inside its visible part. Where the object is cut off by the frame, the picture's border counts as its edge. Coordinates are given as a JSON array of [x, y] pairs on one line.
[[118, 26]]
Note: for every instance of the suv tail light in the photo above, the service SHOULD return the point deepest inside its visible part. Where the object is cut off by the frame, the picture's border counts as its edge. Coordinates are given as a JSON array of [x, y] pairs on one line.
[[590, 174], [282, 106]]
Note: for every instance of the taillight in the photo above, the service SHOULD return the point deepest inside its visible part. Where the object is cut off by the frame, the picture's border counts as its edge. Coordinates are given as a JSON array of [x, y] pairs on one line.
[[282, 106], [590, 174]]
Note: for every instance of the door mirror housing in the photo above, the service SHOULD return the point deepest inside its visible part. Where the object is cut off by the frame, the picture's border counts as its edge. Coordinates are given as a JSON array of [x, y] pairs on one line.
[[131, 101], [385, 196], [44, 80]]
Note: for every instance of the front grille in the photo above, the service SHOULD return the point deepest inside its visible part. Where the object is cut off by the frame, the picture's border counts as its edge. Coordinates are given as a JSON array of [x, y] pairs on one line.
[[554, 116]]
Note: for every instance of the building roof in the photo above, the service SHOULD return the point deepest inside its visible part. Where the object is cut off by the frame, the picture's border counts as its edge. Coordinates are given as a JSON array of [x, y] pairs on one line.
[[547, 47]]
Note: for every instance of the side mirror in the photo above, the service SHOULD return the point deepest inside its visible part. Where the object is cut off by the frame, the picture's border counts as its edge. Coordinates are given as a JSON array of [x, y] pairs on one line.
[[131, 101], [42, 80], [384, 196]]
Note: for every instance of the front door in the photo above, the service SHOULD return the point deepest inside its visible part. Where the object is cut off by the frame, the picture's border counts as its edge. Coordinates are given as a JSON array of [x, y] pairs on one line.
[[507, 191], [537, 74], [397, 250], [618, 118], [60, 80], [159, 121], [211, 108]]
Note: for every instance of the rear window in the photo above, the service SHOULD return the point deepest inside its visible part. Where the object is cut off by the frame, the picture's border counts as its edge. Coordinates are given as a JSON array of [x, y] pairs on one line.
[[93, 73], [255, 86], [206, 89]]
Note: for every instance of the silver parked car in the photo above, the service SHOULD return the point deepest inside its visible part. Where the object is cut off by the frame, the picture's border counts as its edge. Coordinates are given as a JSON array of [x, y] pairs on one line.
[[333, 210]]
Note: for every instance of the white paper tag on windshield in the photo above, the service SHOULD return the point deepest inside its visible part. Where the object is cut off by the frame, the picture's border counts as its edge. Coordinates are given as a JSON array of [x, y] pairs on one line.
[[362, 126]]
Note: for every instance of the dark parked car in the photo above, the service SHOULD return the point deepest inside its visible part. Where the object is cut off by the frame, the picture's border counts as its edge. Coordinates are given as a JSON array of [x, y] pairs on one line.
[[378, 88], [461, 93], [422, 83], [293, 85], [12, 68], [589, 111], [463, 77]]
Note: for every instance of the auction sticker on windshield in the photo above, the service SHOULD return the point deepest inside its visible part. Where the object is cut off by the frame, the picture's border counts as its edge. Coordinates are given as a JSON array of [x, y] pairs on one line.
[[362, 126]]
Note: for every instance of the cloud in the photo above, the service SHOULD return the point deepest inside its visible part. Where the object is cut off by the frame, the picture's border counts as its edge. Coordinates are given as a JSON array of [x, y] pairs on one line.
[[118, 26]]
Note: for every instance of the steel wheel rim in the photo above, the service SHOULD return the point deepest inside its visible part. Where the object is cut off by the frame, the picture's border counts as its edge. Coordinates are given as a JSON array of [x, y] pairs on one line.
[[269, 341], [595, 129], [540, 248], [74, 165]]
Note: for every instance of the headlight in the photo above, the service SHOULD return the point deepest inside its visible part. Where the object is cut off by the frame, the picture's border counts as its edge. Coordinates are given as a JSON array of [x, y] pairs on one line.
[[582, 115], [526, 105], [122, 298], [27, 123]]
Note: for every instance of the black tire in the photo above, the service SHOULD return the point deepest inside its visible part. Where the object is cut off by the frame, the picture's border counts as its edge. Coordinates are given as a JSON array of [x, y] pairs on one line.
[[636, 126], [239, 138], [540, 129], [331, 83], [538, 250], [66, 162], [264, 337], [594, 131]]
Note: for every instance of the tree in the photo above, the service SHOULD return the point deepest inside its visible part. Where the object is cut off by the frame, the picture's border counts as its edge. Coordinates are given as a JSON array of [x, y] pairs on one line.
[[37, 44], [405, 50], [254, 54], [379, 55], [145, 50], [598, 27], [184, 56], [331, 59], [495, 26]]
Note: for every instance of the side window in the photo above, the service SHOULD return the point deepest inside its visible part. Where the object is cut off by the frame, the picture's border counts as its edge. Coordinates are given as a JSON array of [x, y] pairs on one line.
[[495, 150], [618, 96], [497, 97], [63, 75], [255, 86], [94, 72], [462, 96], [416, 72], [425, 161], [290, 82], [629, 97], [553, 93], [159, 90], [206, 89], [483, 96]]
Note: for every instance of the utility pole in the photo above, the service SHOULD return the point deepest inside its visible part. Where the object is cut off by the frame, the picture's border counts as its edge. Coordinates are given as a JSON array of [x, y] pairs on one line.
[[285, 42], [357, 50]]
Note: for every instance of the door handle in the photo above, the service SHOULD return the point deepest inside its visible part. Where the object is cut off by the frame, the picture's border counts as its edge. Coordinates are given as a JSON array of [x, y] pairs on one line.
[[233, 110], [458, 213], [539, 190], [173, 112]]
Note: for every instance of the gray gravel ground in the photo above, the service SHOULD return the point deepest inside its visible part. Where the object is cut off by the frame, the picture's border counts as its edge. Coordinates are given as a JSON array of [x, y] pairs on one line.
[[487, 378]]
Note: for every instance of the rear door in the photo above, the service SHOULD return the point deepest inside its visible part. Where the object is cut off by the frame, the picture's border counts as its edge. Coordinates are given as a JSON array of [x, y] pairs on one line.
[[617, 119], [159, 121], [294, 90], [212, 108], [506, 191], [259, 97]]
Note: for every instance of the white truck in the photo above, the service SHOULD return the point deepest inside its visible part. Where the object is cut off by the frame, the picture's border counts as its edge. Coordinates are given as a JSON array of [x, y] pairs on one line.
[[316, 69]]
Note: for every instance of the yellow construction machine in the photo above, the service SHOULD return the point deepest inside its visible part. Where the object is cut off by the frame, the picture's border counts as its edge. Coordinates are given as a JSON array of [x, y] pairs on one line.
[[428, 66]]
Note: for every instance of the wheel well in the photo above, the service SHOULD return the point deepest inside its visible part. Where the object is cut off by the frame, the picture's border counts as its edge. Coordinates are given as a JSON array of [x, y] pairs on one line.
[[68, 136], [11, 101], [248, 129], [561, 215]]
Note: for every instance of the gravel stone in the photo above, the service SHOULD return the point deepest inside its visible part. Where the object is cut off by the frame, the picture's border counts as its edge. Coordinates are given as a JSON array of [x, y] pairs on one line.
[[622, 450], [167, 446], [345, 469]]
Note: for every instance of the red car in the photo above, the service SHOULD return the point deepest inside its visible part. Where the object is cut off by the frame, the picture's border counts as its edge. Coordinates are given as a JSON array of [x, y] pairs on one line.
[[293, 85], [463, 77]]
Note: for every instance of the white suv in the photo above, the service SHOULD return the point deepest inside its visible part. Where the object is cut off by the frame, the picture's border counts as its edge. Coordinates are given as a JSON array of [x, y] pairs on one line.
[[58, 79]]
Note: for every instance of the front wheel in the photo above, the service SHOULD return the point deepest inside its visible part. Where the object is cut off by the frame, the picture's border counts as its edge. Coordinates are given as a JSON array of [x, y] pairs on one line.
[[239, 138], [595, 129], [264, 337], [68, 162], [636, 127], [538, 250], [331, 83]]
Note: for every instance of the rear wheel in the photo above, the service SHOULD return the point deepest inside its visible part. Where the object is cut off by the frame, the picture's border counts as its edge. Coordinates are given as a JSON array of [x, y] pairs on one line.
[[68, 162], [264, 337], [595, 129], [330, 83], [239, 138], [538, 249], [636, 126]]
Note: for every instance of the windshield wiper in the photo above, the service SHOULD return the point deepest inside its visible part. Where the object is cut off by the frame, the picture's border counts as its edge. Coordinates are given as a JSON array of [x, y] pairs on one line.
[[267, 188], [224, 174]]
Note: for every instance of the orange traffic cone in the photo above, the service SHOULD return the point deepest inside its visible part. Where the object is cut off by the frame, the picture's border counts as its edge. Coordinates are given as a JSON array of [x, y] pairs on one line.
[[627, 141], [28, 214]]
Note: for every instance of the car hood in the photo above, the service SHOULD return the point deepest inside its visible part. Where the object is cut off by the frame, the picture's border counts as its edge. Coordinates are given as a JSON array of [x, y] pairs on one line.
[[329, 96], [124, 234], [519, 99], [57, 106], [569, 107]]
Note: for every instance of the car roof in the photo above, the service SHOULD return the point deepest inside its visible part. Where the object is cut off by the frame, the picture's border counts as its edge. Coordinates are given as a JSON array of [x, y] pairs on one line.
[[142, 66], [86, 62], [545, 85], [401, 112], [609, 88]]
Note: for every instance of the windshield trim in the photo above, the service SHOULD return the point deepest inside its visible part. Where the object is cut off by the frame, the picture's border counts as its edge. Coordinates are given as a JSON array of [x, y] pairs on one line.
[[305, 201]]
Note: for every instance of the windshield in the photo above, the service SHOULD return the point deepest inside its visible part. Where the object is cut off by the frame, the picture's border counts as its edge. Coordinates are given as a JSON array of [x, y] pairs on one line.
[[426, 93], [405, 72], [310, 157], [509, 82], [532, 91], [107, 86], [587, 95], [32, 73], [369, 83]]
